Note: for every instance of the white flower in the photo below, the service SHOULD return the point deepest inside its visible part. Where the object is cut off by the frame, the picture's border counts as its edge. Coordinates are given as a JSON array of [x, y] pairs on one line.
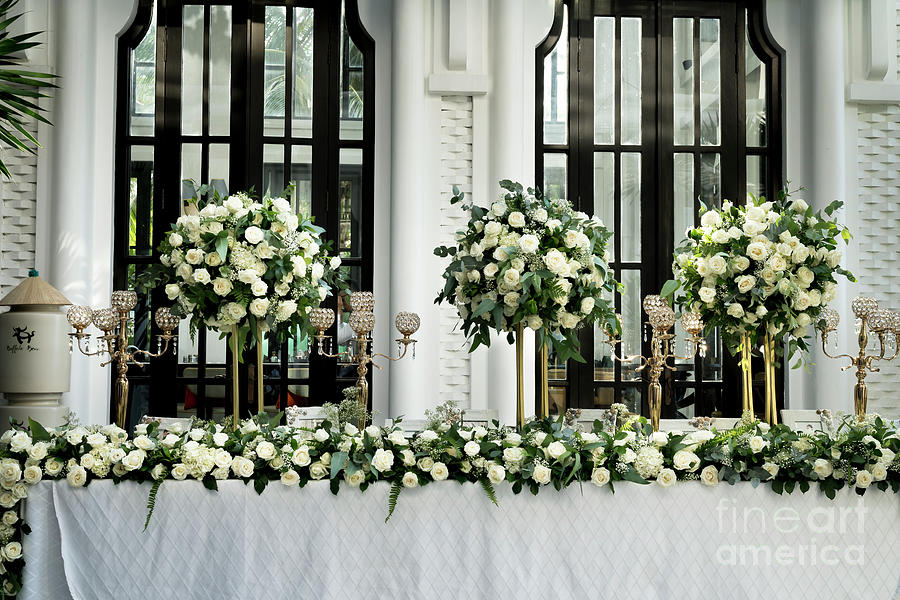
[[741, 263], [707, 294], [833, 259], [77, 476], [439, 471], [259, 306], [222, 459], [410, 480], [493, 229], [720, 236], [771, 468], [32, 474], [600, 476], [383, 460], [757, 251], [173, 290], [556, 449], [799, 205], [144, 443], [10, 518], [242, 467], [511, 277], [711, 218], [863, 479], [425, 463], [513, 455], [659, 438], [666, 478], [317, 271], [541, 474], [823, 468], [718, 265], [317, 470], [648, 462], [321, 435], [175, 239], [498, 208], [735, 310], [12, 551], [587, 305], [878, 470], [53, 466], [528, 243], [568, 320], [685, 460], [496, 473], [629, 456], [222, 286], [745, 283], [285, 309], [220, 438], [253, 234], [356, 478], [709, 475], [38, 450], [290, 478], [259, 287], [516, 219], [757, 443], [556, 262], [265, 450], [20, 442], [471, 448]]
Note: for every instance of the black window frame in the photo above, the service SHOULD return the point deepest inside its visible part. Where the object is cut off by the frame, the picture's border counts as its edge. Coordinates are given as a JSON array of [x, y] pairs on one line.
[[657, 150]]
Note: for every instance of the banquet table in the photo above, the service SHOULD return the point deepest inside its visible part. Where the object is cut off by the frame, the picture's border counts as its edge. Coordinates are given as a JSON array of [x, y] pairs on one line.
[[447, 540]]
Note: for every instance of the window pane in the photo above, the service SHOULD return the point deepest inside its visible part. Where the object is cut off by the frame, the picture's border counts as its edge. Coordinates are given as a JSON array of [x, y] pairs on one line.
[[604, 80], [143, 82], [191, 155], [303, 72], [683, 80], [631, 397], [710, 89], [604, 367], [632, 327], [273, 170], [684, 369], [556, 97], [140, 201], [350, 211], [710, 179], [218, 167], [756, 175], [683, 195], [712, 363], [351, 90], [555, 175], [755, 85], [192, 70], [273, 77], [219, 70], [631, 81], [605, 193], [630, 207], [301, 175]]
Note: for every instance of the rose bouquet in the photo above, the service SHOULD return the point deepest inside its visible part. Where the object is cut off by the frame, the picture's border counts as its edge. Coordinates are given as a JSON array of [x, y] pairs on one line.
[[237, 261], [767, 267], [529, 260]]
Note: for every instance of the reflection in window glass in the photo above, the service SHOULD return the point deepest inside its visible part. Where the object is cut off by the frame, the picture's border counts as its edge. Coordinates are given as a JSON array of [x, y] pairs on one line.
[[191, 157], [218, 168], [604, 80], [755, 89], [630, 206], [143, 82], [301, 176], [351, 87], [303, 72], [683, 195], [605, 194], [710, 90], [192, 71], [711, 179], [631, 81], [632, 315], [140, 201], [555, 175], [556, 105], [756, 175], [273, 170], [683, 80], [219, 70], [273, 70], [350, 194]]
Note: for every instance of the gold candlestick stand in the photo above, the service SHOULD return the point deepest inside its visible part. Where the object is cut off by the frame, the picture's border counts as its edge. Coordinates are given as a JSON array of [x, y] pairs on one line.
[[661, 318], [114, 323], [870, 319], [362, 321]]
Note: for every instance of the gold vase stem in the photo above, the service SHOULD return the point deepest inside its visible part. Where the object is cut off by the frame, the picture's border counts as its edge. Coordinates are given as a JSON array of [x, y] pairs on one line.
[[545, 386], [520, 381], [747, 373], [771, 404], [235, 404], [259, 371]]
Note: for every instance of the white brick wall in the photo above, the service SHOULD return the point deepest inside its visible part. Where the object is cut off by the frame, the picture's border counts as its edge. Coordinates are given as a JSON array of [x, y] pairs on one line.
[[456, 169], [878, 182], [18, 213]]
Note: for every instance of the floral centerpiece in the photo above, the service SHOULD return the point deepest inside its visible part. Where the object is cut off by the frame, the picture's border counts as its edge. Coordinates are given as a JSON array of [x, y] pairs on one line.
[[237, 261], [859, 454], [530, 260], [769, 267]]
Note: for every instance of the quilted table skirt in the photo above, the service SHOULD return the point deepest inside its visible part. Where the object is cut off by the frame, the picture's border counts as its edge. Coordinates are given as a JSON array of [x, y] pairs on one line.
[[450, 541]]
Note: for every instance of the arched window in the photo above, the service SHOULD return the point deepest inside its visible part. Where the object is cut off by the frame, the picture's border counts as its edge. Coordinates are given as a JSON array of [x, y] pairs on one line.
[[646, 108], [241, 94]]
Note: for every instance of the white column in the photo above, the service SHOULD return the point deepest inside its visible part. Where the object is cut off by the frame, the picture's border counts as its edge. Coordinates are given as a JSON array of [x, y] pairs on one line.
[[82, 144], [812, 33], [414, 281]]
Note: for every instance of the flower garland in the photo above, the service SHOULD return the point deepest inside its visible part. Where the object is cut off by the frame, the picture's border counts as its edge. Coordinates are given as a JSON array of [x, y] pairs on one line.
[[531, 260], [859, 454], [767, 266], [238, 261]]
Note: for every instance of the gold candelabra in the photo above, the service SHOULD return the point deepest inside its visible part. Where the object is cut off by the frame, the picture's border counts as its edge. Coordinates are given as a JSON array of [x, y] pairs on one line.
[[362, 322], [869, 319], [662, 346], [114, 323]]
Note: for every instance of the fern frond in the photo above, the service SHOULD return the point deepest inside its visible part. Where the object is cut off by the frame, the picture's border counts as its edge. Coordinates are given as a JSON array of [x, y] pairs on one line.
[[488, 488], [396, 488], [151, 501]]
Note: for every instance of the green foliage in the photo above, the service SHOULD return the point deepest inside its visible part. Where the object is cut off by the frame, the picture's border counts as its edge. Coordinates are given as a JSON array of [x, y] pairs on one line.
[[396, 488], [151, 501], [488, 488]]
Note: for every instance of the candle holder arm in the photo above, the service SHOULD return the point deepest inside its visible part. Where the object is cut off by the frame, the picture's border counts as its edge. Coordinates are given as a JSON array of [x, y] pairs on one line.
[[81, 349]]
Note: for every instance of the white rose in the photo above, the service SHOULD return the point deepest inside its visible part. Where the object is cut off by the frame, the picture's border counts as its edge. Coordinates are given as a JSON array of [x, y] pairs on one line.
[[259, 306], [317, 270], [439, 471], [356, 478], [600, 476], [878, 470], [833, 259], [771, 468], [720, 236], [707, 294], [629, 456], [410, 480], [711, 218], [471, 448], [10, 518], [144, 443], [556, 262], [659, 438], [221, 286], [77, 476], [718, 265], [425, 463], [735, 310], [666, 478], [317, 470], [757, 443], [516, 219], [265, 450], [383, 460], [496, 473], [823, 468], [528, 243], [685, 460], [254, 235], [53, 466], [541, 474], [757, 251], [493, 229], [39, 450], [285, 309], [745, 283], [800, 254], [32, 474], [511, 277], [556, 449], [709, 475], [175, 239], [498, 208], [863, 479], [13, 550], [321, 435], [741, 263], [799, 205], [259, 287], [568, 320], [587, 305], [173, 290]]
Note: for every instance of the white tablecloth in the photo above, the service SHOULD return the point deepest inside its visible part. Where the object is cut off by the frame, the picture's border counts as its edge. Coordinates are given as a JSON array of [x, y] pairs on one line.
[[449, 541]]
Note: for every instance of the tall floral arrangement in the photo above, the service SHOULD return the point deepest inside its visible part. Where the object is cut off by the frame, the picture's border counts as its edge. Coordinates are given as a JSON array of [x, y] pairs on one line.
[[768, 266], [245, 262], [532, 260]]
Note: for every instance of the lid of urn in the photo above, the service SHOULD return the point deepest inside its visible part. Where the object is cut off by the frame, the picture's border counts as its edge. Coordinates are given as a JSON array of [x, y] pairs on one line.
[[34, 291]]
